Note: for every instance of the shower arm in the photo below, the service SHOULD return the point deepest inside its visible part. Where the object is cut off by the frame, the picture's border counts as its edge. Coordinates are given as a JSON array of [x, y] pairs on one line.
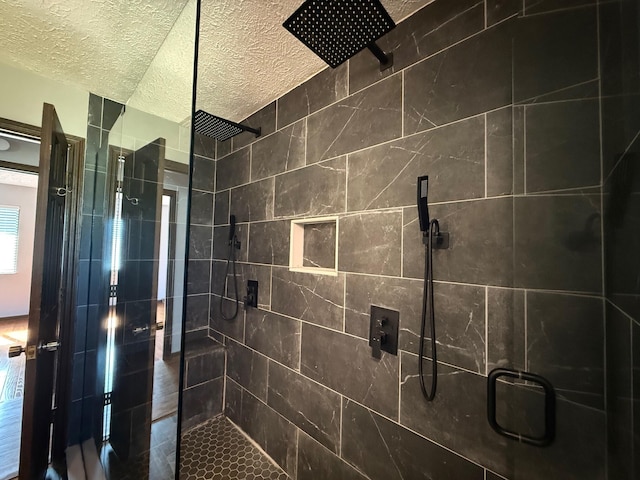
[[386, 59], [256, 131]]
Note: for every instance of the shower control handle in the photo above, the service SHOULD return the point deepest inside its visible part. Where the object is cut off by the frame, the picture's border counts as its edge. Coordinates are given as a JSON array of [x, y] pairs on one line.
[[379, 337], [383, 331]]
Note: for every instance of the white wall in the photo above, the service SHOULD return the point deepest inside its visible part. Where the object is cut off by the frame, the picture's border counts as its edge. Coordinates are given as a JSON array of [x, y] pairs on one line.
[[15, 289], [23, 93], [164, 248]]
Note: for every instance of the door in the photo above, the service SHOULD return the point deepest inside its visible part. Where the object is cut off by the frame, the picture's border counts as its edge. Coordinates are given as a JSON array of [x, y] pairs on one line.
[[46, 302], [138, 208]]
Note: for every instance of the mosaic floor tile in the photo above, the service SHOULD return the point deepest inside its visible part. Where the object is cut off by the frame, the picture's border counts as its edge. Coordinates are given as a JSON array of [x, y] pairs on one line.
[[217, 450]]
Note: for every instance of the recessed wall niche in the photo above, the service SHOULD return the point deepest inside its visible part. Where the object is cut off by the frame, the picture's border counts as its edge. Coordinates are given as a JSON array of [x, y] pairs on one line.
[[314, 245]]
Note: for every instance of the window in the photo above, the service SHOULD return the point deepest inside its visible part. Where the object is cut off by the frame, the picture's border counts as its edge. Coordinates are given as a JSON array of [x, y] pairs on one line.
[[9, 221]]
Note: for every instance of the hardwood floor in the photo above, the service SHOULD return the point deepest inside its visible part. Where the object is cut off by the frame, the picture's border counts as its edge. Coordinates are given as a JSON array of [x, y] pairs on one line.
[[166, 374], [13, 331]]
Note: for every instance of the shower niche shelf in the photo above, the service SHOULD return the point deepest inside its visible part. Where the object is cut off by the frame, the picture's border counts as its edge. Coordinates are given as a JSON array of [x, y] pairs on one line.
[[314, 246]]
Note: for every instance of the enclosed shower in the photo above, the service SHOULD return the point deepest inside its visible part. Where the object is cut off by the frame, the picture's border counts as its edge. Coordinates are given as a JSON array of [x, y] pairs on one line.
[[328, 323], [523, 115]]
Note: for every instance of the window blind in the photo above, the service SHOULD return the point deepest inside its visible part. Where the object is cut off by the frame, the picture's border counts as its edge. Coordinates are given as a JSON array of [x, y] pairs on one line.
[[9, 223]]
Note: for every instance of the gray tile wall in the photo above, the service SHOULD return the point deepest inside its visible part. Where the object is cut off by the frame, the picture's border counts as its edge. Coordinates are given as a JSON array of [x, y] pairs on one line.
[[203, 386], [620, 59], [91, 301], [498, 102]]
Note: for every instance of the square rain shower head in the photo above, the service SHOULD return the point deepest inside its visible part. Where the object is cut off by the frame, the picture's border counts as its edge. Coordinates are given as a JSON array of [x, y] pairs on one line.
[[219, 128], [336, 30]]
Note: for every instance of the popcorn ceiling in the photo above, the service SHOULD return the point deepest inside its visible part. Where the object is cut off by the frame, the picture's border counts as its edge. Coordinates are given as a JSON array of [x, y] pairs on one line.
[[117, 49]]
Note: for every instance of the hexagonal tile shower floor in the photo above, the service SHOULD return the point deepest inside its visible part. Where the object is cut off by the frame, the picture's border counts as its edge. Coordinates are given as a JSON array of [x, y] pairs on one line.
[[218, 450]]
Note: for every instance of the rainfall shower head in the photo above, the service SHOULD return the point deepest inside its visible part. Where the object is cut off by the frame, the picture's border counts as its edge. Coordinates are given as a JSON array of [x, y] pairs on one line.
[[219, 128], [336, 30]]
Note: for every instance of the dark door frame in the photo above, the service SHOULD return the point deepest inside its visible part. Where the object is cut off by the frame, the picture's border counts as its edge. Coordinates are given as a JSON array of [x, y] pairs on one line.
[[67, 312], [183, 168]]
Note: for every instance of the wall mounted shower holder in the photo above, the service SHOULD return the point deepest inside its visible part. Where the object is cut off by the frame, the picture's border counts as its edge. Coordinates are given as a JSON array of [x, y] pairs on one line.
[[439, 240]]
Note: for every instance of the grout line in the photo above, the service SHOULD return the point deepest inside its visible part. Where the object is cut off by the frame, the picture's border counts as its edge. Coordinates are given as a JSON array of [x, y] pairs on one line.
[[295, 471], [346, 185], [402, 82], [457, 454], [531, 101], [266, 395], [402, 243], [485, 14], [526, 332], [341, 425], [224, 380], [449, 282], [626, 150], [486, 330], [524, 149], [486, 151], [325, 387], [344, 303], [386, 142], [273, 199], [399, 385], [270, 287], [560, 10], [554, 193], [306, 141], [348, 82], [299, 325], [623, 312]]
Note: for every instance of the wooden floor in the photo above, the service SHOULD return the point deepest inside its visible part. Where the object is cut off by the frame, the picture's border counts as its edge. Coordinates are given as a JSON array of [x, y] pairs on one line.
[[166, 375], [13, 331]]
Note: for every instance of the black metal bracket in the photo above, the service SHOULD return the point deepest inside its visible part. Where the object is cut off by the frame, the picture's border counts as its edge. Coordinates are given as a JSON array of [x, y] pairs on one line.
[[549, 406], [439, 240], [386, 59]]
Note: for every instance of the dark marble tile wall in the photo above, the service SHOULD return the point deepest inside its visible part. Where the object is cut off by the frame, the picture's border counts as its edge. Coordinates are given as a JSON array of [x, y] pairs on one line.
[[498, 102], [203, 387], [205, 356], [89, 335], [620, 59]]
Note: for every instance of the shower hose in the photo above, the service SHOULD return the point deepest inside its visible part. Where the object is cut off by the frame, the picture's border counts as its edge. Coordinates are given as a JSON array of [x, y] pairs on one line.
[[231, 260], [428, 311]]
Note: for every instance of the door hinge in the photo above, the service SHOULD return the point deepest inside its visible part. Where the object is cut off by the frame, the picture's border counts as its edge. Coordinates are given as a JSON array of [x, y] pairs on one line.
[[107, 398]]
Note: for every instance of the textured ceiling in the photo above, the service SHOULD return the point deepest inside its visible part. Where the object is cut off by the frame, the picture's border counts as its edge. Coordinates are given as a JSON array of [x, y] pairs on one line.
[[247, 59], [103, 46], [141, 51]]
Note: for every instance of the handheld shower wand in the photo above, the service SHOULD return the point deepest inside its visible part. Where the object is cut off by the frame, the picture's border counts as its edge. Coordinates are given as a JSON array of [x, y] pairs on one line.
[[431, 238], [231, 259]]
